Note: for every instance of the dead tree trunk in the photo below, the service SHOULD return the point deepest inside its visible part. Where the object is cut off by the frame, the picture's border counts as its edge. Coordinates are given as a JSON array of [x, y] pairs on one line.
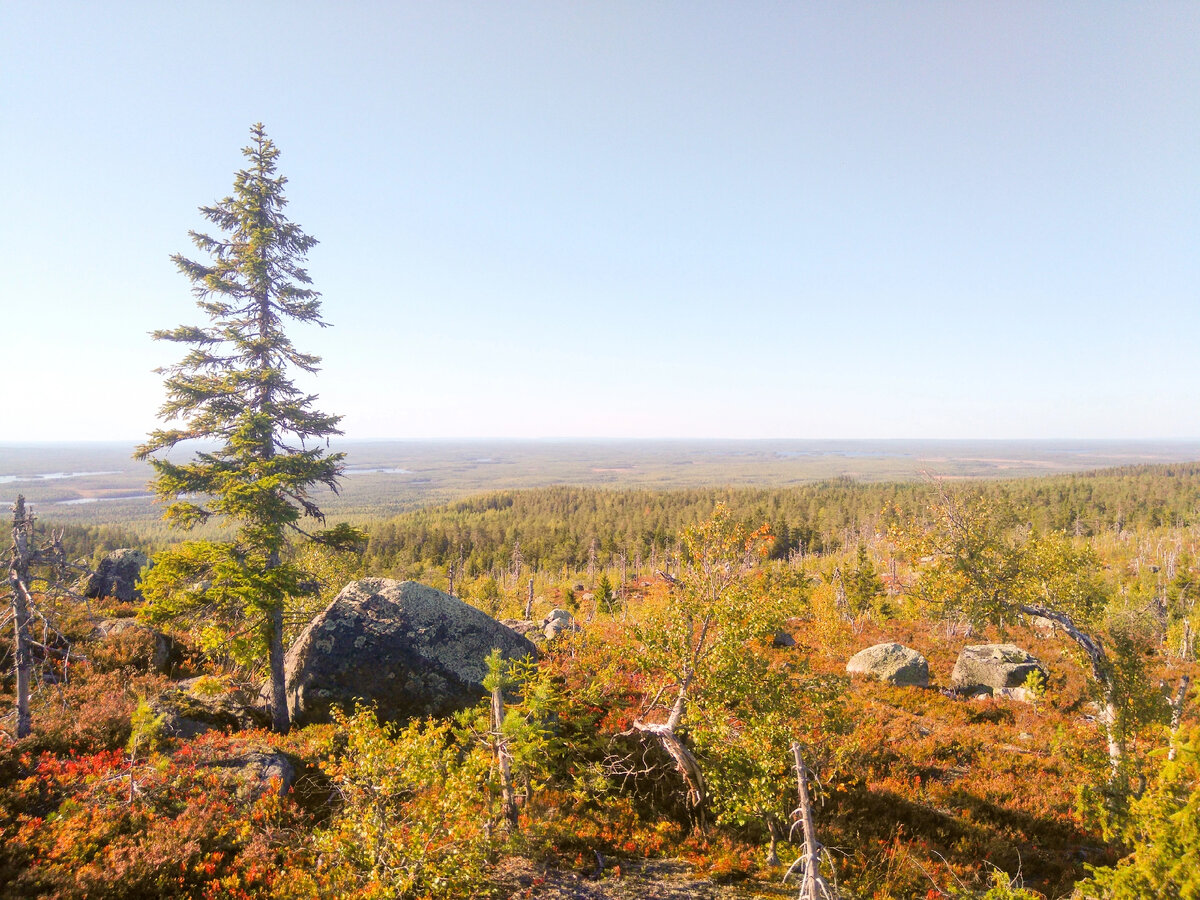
[[839, 593], [24, 658], [812, 886], [685, 762], [508, 796], [529, 601], [20, 560], [1177, 713], [1101, 672], [25, 553]]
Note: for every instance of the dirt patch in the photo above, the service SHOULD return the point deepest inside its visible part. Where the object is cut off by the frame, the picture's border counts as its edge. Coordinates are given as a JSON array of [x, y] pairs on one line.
[[651, 879]]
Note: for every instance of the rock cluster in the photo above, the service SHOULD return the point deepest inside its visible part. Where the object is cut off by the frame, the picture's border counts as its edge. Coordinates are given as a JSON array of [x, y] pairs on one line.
[[165, 653], [188, 711], [996, 670], [558, 621]]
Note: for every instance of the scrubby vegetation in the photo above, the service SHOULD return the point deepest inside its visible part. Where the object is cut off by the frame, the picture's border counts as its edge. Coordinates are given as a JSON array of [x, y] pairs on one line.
[[661, 730]]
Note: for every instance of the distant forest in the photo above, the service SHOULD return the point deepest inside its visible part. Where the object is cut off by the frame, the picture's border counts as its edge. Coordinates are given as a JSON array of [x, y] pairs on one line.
[[562, 527], [553, 528]]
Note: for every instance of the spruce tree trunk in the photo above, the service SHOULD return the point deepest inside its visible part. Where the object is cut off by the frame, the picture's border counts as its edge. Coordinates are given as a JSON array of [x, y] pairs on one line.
[[280, 720]]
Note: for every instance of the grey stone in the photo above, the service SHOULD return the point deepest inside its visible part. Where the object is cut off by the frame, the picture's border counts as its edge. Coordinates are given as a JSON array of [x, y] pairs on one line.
[[527, 628], [992, 667], [187, 712], [409, 649], [254, 770], [892, 663], [783, 639], [117, 576], [1042, 625], [558, 621]]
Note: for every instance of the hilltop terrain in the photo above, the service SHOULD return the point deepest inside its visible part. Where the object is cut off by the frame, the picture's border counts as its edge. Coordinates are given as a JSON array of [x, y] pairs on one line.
[[149, 771]]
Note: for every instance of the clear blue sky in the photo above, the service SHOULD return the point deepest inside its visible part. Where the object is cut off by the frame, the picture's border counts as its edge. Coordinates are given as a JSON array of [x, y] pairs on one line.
[[748, 220]]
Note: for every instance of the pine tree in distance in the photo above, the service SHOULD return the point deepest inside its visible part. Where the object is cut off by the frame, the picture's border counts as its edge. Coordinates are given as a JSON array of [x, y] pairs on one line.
[[234, 389]]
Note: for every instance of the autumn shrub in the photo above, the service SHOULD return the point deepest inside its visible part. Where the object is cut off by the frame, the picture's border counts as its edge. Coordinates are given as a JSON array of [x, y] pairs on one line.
[[101, 825], [132, 648], [417, 813], [719, 856], [1163, 834], [617, 827], [89, 714]]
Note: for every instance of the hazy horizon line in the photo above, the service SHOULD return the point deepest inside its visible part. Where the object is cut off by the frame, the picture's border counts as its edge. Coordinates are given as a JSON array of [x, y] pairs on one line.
[[557, 439]]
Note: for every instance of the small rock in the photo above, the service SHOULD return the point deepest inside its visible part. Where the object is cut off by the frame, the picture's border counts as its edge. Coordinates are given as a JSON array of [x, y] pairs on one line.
[[256, 769], [527, 628], [783, 639], [1042, 625], [1018, 694], [892, 663]]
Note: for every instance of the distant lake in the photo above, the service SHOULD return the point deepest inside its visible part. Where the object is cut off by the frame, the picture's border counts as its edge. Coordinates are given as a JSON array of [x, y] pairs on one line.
[[82, 500], [846, 454], [51, 476]]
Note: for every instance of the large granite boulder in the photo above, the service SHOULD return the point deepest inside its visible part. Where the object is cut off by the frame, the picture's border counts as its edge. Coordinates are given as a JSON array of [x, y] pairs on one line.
[[117, 576], [993, 668], [409, 649], [892, 663]]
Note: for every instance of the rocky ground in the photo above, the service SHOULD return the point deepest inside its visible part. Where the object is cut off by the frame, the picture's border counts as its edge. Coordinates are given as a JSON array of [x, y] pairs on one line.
[[652, 879]]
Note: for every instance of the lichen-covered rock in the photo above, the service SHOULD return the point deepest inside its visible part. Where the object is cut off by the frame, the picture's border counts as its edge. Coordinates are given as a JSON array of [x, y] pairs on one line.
[[558, 621], [255, 770], [127, 642], [527, 628], [409, 649], [117, 576], [892, 663], [987, 668], [188, 711]]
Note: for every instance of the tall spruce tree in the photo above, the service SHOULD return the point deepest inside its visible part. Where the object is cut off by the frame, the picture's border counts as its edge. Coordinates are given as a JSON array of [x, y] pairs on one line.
[[234, 388]]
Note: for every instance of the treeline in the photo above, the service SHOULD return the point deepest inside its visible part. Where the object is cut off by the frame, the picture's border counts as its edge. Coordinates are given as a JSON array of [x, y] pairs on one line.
[[572, 527]]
